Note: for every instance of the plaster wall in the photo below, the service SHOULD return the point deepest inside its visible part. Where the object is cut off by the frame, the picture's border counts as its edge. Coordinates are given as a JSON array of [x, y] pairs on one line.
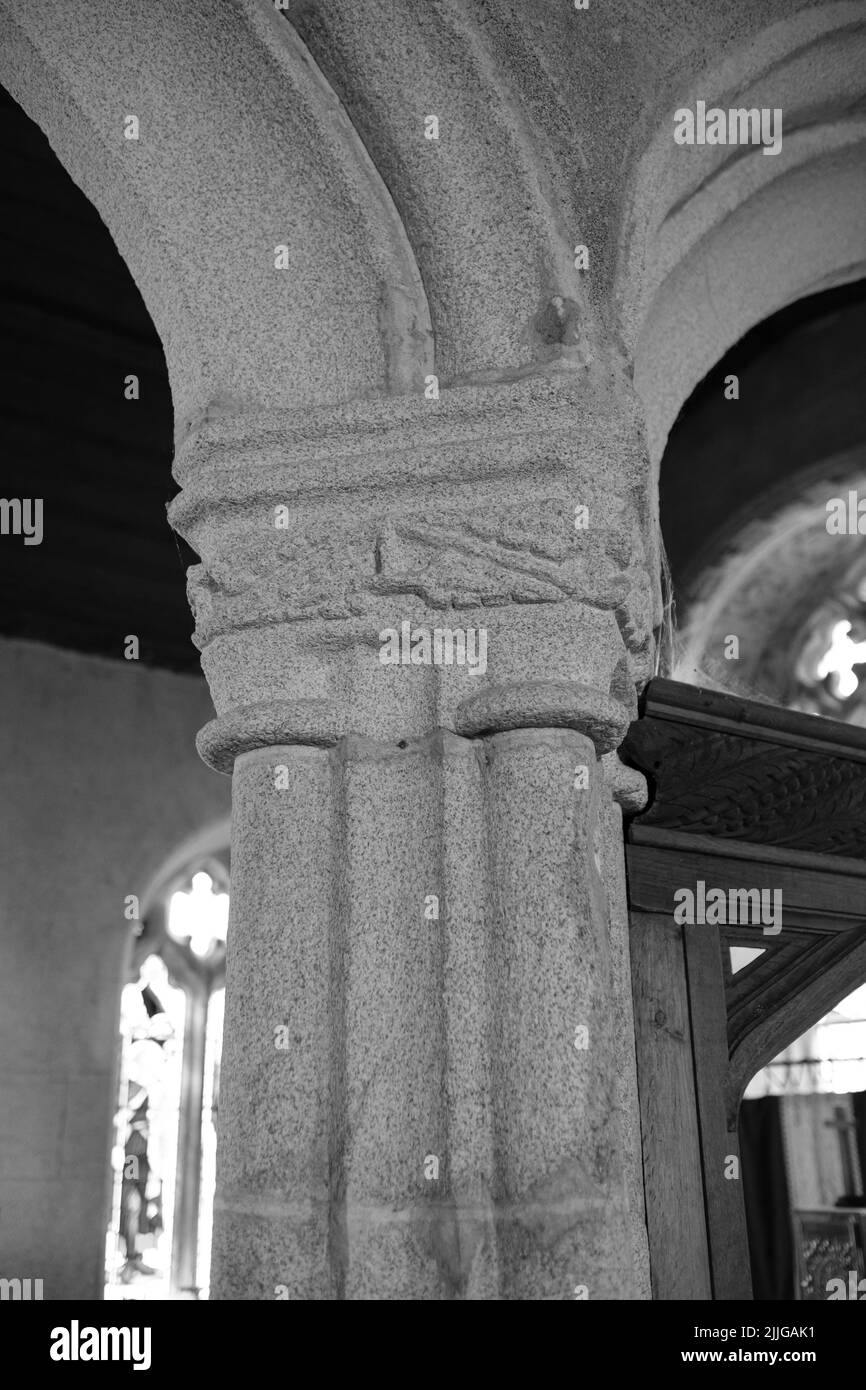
[[99, 781]]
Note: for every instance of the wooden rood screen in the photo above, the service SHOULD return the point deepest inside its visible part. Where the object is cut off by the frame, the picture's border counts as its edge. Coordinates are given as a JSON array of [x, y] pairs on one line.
[[744, 796]]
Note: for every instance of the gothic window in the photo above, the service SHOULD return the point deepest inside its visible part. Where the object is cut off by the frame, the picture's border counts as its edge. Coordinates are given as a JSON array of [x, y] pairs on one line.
[[164, 1152], [831, 670]]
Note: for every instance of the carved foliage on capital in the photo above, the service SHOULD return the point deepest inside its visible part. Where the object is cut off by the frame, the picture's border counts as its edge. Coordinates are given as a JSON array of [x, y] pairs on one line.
[[448, 558], [517, 553], [483, 521]]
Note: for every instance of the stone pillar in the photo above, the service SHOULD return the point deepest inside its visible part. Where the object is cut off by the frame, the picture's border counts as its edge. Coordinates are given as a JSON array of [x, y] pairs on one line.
[[428, 1071], [313, 262]]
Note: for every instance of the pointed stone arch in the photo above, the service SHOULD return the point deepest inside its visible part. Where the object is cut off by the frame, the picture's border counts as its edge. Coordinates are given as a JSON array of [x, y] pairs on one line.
[[242, 146], [490, 204], [701, 258]]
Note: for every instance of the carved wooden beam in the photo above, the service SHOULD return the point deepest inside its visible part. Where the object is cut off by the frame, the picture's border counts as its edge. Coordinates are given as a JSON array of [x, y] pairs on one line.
[[736, 769]]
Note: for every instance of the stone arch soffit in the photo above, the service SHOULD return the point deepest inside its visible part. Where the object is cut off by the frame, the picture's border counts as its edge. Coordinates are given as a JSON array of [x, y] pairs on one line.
[[717, 238], [242, 148], [486, 196]]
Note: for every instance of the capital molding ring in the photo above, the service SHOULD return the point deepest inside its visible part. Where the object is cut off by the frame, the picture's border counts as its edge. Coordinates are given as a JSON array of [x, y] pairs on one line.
[[546, 705], [269, 723]]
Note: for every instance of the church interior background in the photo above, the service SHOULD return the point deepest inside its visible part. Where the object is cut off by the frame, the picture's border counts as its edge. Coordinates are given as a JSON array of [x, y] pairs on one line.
[[802, 606], [115, 854]]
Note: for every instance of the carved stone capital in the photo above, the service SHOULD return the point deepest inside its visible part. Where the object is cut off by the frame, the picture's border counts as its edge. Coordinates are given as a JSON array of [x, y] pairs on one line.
[[322, 533]]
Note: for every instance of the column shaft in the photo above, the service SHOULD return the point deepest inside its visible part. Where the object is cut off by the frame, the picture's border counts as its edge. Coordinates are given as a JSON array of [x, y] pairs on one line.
[[420, 1055]]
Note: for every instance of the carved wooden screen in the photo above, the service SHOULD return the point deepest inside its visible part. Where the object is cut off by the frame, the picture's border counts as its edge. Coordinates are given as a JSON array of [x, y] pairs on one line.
[[743, 796]]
